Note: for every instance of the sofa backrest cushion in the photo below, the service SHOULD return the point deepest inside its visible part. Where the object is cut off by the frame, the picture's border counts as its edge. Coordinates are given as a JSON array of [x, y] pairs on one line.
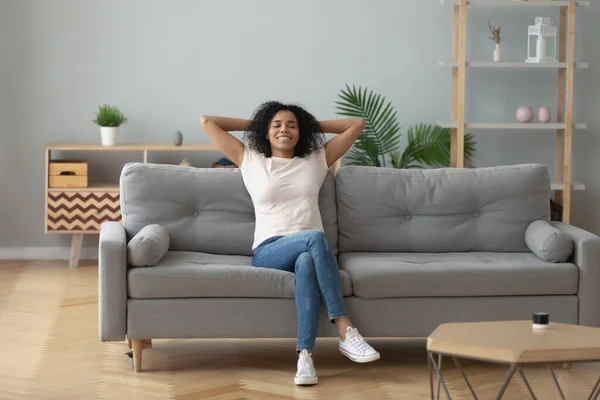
[[204, 209], [440, 210]]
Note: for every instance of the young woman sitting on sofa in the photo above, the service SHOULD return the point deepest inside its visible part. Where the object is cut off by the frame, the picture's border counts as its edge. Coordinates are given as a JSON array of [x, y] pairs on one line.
[[283, 166]]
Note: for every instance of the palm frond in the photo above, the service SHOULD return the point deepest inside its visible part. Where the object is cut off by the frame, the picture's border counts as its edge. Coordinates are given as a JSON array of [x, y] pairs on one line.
[[380, 135], [396, 159], [360, 157], [410, 155], [429, 145]]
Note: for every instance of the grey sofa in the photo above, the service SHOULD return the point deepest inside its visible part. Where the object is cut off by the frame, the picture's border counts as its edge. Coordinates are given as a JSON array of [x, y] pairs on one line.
[[416, 248]]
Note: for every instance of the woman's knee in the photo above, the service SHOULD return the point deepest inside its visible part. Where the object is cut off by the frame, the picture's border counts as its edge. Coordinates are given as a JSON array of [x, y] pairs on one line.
[[305, 264], [317, 237]]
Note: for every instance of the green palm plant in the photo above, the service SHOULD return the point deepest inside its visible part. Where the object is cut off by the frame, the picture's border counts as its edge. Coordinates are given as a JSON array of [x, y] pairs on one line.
[[379, 136], [428, 145]]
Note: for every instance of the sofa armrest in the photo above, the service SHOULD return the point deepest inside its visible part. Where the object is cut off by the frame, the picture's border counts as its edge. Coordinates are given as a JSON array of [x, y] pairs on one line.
[[112, 282], [586, 255]]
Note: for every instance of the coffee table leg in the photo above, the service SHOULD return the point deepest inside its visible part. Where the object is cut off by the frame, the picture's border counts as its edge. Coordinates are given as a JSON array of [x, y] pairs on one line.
[[527, 383], [429, 363], [562, 396], [595, 391], [429, 369], [464, 376], [509, 376], [439, 375], [439, 366]]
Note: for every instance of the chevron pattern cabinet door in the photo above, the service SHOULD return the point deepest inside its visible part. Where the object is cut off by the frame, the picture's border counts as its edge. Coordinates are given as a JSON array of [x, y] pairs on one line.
[[82, 211]]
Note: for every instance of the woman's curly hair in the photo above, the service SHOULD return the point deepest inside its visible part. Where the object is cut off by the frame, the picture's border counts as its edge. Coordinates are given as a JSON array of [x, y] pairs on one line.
[[310, 135]]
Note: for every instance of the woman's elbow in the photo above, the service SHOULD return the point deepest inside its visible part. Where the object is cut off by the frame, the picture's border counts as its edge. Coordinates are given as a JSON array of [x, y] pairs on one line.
[[204, 119]]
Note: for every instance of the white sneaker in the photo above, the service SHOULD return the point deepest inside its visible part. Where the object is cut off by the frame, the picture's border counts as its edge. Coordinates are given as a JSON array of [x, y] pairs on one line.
[[356, 348], [306, 374]]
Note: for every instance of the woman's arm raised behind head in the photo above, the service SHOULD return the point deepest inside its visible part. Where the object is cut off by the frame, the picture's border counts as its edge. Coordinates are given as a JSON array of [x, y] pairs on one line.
[[348, 131], [217, 129]]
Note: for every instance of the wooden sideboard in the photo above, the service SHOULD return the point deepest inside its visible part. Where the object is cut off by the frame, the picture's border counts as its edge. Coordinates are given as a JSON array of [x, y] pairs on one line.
[[79, 211]]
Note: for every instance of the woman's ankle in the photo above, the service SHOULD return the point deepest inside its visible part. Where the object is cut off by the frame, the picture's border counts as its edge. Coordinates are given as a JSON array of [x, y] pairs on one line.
[[342, 324], [304, 347]]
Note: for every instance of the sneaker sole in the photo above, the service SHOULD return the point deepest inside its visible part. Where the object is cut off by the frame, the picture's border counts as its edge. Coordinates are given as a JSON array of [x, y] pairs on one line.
[[306, 380], [360, 359]]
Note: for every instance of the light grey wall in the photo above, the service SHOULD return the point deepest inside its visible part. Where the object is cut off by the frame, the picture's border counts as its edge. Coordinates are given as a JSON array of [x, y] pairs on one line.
[[167, 62]]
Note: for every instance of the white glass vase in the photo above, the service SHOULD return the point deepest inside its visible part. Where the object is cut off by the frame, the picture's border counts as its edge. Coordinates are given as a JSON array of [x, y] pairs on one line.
[[497, 53]]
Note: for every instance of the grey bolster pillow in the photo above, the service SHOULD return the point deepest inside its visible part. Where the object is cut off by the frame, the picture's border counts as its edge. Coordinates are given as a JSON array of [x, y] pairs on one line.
[[547, 242], [148, 246]]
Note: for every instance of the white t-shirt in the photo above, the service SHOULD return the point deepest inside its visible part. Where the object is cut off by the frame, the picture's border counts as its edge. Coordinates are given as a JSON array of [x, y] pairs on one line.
[[285, 192]]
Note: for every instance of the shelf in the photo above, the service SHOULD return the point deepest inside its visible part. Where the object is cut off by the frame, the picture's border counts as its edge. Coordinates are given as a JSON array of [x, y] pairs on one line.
[[130, 147], [511, 125], [92, 187], [523, 65], [515, 3], [561, 186], [459, 62]]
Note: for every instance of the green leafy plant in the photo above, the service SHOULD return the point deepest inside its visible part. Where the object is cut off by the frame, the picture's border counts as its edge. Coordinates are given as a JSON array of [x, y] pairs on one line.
[[109, 116], [428, 145], [379, 136]]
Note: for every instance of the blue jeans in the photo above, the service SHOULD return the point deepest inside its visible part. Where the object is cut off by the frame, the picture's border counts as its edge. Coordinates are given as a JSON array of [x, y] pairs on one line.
[[309, 256]]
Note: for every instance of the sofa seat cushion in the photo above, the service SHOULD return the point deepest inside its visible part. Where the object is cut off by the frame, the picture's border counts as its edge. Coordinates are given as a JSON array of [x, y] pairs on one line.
[[385, 275], [181, 274]]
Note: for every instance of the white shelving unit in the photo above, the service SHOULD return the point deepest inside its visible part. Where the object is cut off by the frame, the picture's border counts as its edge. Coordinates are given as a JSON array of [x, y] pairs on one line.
[[566, 66]]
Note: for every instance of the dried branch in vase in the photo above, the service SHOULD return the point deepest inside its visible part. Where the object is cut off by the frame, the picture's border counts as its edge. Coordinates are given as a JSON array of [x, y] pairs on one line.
[[495, 33]]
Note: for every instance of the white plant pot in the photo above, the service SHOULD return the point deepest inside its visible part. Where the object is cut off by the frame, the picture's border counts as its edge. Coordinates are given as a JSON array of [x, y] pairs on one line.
[[109, 135], [497, 53]]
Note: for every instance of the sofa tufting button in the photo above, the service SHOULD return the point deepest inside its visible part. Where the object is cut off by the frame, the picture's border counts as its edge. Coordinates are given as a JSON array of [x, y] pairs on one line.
[[196, 212], [407, 217]]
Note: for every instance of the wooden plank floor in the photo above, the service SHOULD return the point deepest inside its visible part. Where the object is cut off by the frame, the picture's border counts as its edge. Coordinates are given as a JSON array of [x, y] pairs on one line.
[[49, 349]]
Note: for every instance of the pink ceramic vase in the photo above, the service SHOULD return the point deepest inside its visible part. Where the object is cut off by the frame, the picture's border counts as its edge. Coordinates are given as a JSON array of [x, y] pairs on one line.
[[525, 114], [544, 114]]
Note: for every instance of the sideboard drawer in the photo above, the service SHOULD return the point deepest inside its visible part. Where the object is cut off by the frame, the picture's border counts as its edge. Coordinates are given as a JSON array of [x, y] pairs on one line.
[[83, 211]]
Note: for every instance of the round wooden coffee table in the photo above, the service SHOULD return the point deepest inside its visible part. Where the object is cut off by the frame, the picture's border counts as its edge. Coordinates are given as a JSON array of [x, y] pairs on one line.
[[514, 343]]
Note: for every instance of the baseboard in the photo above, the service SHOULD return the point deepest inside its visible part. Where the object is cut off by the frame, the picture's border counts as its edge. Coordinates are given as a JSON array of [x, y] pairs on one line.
[[45, 253]]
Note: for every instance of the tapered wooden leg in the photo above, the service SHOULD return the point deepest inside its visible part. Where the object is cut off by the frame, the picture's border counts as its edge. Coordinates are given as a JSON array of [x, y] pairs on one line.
[[147, 343], [138, 347], [76, 242]]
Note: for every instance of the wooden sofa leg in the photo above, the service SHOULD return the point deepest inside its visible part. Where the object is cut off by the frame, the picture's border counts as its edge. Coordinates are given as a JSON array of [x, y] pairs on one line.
[[147, 343], [138, 347]]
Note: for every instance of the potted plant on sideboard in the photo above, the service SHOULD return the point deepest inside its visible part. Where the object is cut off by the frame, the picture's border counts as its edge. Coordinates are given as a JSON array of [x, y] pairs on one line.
[[109, 118]]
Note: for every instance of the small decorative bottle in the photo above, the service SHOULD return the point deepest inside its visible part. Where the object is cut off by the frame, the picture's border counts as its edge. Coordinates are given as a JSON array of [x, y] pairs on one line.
[[497, 53], [496, 37]]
